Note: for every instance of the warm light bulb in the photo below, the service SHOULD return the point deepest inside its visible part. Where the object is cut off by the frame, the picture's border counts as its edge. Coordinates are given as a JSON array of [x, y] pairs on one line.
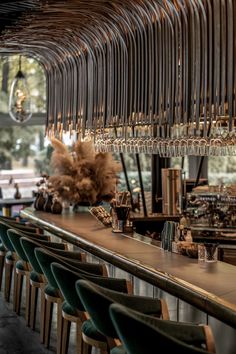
[[20, 102]]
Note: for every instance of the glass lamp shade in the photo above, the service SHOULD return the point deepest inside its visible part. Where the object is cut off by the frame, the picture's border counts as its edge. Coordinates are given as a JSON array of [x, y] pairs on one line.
[[19, 101]]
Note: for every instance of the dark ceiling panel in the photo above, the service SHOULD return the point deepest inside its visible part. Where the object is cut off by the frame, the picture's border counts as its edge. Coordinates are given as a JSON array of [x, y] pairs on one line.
[[11, 11], [8, 7]]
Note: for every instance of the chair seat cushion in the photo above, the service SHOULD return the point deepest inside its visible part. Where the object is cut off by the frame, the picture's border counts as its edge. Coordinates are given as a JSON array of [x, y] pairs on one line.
[[69, 310], [9, 256], [90, 331], [2, 248], [118, 350], [20, 265], [36, 277], [51, 291]]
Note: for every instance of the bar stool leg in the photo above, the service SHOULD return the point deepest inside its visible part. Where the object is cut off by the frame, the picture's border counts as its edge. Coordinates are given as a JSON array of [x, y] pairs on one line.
[[8, 278], [87, 349], [65, 336], [33, 306], [2, 261], [19, 285], [28, 299], [59, 326], [15, 289], [48, 322], [79, 340], [42, 315]]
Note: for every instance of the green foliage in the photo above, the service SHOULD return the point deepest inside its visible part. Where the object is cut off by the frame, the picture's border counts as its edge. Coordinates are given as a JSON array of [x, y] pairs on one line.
[[17, 143], [42, 162]]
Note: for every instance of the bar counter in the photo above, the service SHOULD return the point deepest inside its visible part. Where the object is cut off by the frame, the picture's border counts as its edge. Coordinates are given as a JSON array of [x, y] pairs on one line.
[[211, 289]]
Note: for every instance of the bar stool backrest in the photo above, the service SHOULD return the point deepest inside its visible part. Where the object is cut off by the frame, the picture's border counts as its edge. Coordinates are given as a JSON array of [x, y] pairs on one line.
[[18, 220], [19, 226], [14, 238], [143, 334], [97, 299], [4, 226], [29, 246], [22, 233], [45, 258], [4, 237], [66, 279]]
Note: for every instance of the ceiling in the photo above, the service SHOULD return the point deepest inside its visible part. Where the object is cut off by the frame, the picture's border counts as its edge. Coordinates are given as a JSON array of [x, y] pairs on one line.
[[11, 10], [127, 63]]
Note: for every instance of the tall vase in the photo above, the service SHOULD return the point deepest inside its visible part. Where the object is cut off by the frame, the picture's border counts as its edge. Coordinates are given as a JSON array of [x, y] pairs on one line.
[[48, 203], [40, 201]]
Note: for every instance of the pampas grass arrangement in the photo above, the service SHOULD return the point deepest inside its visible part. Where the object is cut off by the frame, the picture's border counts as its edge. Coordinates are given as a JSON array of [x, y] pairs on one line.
[[82, 176]]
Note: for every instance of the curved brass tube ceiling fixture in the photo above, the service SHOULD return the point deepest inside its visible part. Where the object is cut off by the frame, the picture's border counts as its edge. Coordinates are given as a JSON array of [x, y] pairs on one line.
[[137, 75]]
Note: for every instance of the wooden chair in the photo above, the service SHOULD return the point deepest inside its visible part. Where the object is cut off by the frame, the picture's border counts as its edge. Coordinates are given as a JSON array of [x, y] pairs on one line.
[[72, 309], [51, 294], [97, 299], [22, 269], [7, 253], [3, 250], [143, 334], [37, 280]]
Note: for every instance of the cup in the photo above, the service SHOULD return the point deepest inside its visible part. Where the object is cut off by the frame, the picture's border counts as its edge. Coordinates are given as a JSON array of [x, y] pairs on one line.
[[119, 218], [201, 253], [211, 252]]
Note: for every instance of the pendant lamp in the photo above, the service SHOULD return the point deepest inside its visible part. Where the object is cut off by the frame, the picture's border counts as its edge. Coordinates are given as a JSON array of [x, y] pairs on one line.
[[19, 100]]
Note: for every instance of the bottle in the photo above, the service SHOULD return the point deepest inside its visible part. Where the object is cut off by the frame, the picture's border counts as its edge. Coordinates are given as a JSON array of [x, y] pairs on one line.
[[181, 233], [56, 207], [183, 221], [36, 200], [40, 201], [48, 203], [114, 220], [188, 236]]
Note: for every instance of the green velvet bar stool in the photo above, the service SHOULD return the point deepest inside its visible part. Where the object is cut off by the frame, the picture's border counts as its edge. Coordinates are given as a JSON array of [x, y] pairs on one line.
[[9, 263], [22, 270], [34, 280], [7, 254], [64, 254], [61, 251], [143, 334], [35, 235], [37, 279], [72, 309], [18, 219], [52, 293], [10, 259], [21, 226], [97, 299], [3, 250]]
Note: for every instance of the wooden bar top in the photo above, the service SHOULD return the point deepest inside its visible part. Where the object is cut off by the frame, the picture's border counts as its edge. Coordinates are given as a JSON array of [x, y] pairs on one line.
[[211, 288]]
